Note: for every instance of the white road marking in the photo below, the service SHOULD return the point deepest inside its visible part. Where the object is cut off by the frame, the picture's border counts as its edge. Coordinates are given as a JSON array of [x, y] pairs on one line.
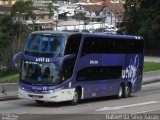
[[149, 85], [126, 106], [82, 105], [21, 113]]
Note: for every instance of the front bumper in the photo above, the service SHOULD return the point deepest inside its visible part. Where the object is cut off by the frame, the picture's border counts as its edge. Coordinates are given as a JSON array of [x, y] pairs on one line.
[[55, 96]]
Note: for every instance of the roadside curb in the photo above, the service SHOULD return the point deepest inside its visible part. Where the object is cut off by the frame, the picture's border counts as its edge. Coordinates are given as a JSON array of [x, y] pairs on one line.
[[9, 98], [8, 81], [150, 81], [158, 71]]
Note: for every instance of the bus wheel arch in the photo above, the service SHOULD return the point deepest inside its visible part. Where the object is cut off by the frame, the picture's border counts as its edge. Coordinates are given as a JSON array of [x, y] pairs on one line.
[[77, 95], [79, 88]]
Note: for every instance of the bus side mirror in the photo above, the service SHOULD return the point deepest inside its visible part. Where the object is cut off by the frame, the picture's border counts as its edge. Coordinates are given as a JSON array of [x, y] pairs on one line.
[[14, 64], [66, 57]]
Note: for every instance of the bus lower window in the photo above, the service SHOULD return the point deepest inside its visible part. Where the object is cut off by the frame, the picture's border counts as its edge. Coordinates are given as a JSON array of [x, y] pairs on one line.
[[99, 73]]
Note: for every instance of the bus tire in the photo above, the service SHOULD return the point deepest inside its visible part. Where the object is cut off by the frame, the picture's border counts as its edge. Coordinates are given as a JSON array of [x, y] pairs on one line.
[[127, 91], [76, 97], [120, 92], [39, 101]]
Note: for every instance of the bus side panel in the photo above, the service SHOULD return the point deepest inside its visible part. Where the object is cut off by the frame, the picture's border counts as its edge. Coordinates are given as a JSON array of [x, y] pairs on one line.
[[133, 71], [99, 88]]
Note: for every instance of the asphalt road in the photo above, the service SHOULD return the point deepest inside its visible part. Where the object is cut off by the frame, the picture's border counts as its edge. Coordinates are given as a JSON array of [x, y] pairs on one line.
[[147, 101]]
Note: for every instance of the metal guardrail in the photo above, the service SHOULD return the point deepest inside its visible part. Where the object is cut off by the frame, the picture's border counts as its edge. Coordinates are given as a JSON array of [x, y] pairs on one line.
[[4, 90], [8, 90]]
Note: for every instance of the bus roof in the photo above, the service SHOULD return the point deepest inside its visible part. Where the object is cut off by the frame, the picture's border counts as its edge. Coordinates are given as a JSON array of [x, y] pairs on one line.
[[55, 32], [114, 36], [88, 34]]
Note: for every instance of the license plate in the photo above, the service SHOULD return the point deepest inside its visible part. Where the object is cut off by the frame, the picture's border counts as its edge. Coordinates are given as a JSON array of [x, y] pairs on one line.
[[35, 97]]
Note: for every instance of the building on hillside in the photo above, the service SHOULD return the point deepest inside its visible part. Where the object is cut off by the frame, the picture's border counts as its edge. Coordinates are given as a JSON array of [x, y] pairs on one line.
[[43, 3], [106, 11], [116, 8], [43, 20], [65, 12]]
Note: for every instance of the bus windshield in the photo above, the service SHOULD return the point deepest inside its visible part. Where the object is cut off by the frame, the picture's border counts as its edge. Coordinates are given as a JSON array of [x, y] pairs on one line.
[[46, 44], [40, 73]]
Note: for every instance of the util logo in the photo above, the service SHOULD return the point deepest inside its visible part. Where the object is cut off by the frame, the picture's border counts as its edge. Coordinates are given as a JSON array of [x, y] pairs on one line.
[[131, 71], [42, 60]]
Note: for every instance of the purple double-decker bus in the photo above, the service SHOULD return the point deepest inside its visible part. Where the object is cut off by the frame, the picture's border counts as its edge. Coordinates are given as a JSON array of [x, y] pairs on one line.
[[62, 66]]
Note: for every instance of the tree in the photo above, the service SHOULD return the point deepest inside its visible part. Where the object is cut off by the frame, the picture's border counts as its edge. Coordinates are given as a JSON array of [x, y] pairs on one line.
[[31, 12], [21, 8], [51, 7], [142, 17], [17, 11], [9, 35], [13, 32]]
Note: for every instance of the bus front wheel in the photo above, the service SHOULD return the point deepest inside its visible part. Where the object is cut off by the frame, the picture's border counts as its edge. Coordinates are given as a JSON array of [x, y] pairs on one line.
[[76, 97]]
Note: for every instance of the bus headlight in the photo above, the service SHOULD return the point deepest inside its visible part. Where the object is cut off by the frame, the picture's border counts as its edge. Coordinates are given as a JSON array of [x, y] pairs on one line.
[[54, 97], [51, 91], [22, 88]]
